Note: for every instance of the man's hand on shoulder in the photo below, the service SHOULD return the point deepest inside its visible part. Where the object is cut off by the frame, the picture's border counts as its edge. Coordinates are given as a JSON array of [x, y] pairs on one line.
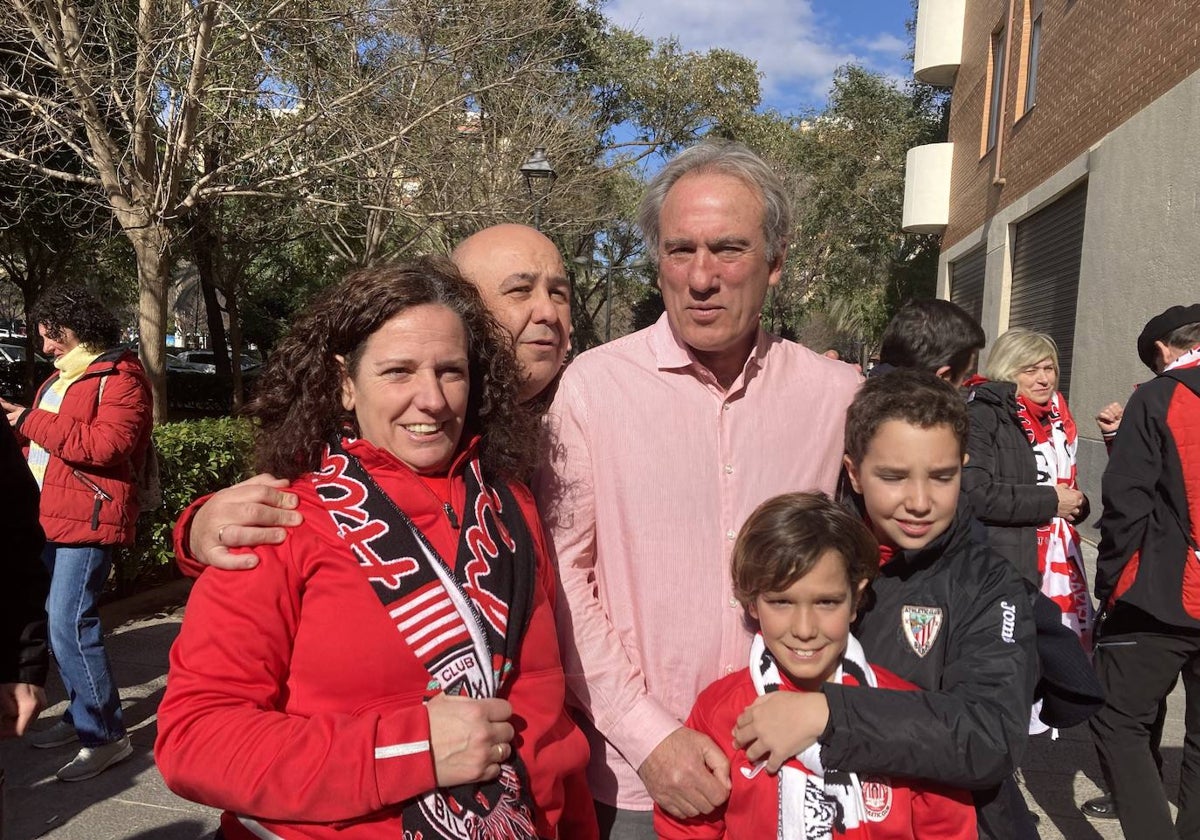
[[686, 774], [256, 512], [781, 724]]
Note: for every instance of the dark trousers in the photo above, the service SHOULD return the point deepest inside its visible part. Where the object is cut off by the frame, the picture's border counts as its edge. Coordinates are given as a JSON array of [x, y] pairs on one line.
[[618, 824], [1138, 660]]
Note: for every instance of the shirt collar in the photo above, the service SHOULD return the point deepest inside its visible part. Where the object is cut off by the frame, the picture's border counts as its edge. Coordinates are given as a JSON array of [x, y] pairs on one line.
[[671, 353]]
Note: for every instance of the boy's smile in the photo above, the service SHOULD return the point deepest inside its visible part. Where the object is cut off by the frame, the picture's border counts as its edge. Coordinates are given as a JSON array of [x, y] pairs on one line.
[[806, 625], [909, 479]]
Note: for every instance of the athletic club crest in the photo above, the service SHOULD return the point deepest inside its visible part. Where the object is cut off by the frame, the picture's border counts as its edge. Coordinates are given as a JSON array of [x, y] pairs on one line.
[[921, 626], [877, 797]]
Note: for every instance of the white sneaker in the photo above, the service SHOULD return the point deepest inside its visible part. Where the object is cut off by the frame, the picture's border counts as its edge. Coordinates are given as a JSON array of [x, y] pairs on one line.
[[58, 735], [92, 761]]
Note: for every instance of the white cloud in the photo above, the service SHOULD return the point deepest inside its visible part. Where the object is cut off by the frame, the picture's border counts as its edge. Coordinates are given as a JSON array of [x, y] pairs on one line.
[[793, 45], [888, 45]]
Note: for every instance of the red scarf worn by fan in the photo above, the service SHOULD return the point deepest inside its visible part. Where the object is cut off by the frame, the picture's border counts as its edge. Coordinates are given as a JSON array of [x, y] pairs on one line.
[[1052, 434]]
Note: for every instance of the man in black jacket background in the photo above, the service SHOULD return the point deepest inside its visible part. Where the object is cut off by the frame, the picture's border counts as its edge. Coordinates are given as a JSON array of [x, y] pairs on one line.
[[23, 652], [1148, 580], [24, 658]]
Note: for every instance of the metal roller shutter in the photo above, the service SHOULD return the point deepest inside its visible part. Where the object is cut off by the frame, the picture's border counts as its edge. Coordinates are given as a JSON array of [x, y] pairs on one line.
[[1045, 274], [966, 282]]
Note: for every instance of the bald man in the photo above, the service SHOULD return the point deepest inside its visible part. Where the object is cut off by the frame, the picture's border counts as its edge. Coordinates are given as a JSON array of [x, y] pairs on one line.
[[520, 275]]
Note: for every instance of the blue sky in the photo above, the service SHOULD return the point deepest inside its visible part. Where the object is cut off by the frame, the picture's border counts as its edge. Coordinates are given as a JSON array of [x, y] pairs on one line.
[[796, 43]]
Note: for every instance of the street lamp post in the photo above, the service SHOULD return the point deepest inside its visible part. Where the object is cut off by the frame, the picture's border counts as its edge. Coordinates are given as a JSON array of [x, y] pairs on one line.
[[538, 169]]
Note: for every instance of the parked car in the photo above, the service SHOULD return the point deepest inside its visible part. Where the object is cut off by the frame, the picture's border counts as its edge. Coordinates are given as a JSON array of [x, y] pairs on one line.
[[197, 361], [12, 369], [12, 353], [204, 361]]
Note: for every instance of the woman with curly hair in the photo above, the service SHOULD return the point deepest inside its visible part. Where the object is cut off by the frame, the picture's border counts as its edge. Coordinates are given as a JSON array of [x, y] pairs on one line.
[[391, 668], [86, 437]]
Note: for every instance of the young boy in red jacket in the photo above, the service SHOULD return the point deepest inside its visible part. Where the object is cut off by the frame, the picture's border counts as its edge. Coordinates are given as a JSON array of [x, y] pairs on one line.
[[800, 565]]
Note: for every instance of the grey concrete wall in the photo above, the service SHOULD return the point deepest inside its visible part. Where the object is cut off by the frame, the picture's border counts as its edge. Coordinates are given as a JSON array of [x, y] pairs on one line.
[[1141, 253]]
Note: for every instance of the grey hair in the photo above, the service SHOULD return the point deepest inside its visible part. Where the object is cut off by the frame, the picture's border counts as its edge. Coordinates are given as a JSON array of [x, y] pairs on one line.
[[1183, 338], [726, 157], [1016, 350]]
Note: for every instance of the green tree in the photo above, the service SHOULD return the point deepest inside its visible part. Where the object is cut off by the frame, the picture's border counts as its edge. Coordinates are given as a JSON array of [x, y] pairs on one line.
[[849, 263]]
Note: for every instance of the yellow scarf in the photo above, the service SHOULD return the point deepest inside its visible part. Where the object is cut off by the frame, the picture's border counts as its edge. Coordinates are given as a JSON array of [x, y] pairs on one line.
[[71, 366]]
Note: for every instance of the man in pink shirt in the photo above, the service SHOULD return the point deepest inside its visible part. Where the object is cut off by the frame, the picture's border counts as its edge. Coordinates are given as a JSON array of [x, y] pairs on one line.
[[661, 443]]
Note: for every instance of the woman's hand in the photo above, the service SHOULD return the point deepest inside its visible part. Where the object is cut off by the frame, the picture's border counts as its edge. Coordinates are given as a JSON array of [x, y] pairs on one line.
[[469, 738], [1070, 502]]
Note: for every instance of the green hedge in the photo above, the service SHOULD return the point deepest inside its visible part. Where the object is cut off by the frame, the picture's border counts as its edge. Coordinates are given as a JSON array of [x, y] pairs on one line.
[[195, 457]]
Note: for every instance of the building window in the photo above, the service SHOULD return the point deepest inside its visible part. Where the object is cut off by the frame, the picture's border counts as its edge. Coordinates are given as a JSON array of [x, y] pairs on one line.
[[995, 85], [1033, 48]]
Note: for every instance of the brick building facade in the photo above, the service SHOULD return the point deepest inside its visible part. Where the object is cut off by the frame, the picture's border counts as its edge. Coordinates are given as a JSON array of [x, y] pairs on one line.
[[1068, 196]]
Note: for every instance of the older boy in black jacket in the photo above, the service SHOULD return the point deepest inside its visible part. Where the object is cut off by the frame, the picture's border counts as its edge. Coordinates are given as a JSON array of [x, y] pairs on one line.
[[944, 614]]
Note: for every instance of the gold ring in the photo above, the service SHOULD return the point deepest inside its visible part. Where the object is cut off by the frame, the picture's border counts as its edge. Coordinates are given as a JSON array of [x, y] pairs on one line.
[[500, 752], [220, 531]]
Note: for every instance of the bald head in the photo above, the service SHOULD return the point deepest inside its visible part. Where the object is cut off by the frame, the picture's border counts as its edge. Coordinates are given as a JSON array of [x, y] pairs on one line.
[[520, 274]]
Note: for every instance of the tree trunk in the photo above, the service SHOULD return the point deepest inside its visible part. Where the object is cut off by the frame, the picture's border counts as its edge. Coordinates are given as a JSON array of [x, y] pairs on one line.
[[206, 254], [154, 268]]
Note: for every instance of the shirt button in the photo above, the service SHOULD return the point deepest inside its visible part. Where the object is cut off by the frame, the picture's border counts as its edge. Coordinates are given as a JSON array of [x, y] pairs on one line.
[[728, 669], [730, 535], [725, 406], [733, 602], [728, 469]]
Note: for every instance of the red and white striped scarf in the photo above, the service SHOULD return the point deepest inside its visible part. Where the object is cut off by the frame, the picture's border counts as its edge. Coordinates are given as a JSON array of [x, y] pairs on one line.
[[463, 617], [1060, 562]]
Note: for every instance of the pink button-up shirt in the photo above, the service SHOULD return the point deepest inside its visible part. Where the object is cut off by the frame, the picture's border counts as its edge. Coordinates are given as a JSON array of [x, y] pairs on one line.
[[653, 469]]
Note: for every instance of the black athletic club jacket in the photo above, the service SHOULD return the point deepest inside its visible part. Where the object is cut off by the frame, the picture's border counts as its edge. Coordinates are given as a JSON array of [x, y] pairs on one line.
[[969, 727], [1151, 491]]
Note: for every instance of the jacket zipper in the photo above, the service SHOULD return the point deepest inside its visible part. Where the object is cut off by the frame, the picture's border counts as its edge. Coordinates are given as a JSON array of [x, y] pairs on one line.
[[450, 515], [101, 497]]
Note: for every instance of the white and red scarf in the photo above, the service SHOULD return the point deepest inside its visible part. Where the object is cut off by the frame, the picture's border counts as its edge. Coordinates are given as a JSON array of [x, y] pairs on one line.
[[815, 803], [464, 620], [1060, 562], [1190, 359]]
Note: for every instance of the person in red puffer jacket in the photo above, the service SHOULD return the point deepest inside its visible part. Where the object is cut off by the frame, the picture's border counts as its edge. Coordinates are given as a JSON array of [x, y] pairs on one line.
[[85, 439]]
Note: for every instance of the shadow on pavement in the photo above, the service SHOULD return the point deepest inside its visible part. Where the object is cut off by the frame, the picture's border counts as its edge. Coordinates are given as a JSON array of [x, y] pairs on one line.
[[127, 800], [182, 830], [1060, 775]]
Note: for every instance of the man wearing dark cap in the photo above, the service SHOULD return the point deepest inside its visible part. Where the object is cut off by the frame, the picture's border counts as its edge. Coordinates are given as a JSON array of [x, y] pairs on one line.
[[1148, 580]]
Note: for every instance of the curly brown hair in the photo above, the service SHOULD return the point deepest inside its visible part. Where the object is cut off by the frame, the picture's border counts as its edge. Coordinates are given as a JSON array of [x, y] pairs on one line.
[[298, 402], [80, 311]]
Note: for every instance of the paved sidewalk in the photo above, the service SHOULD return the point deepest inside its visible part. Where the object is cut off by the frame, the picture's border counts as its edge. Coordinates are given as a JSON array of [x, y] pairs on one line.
[[131, 801]]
